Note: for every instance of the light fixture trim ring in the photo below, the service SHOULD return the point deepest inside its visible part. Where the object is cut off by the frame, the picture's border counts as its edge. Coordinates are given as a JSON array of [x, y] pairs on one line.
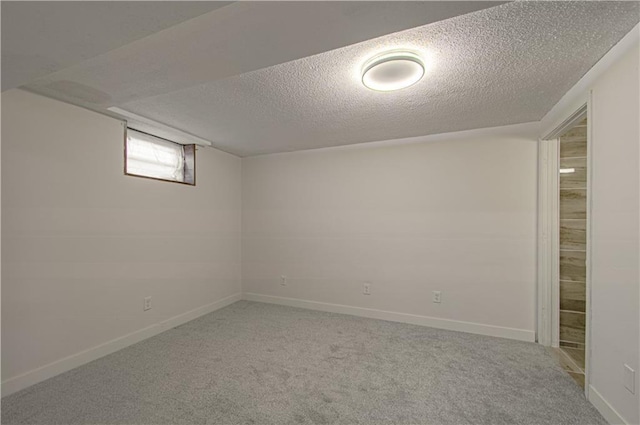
[[391, 56]]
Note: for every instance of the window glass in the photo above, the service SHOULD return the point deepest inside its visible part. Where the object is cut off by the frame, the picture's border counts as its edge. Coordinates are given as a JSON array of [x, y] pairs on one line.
[[150, 156]]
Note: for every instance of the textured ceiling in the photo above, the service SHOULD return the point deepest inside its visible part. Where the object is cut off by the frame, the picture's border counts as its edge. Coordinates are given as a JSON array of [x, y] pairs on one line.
[[268, 77], [40, 37], [505, 65], [235, 39], [239, 38]]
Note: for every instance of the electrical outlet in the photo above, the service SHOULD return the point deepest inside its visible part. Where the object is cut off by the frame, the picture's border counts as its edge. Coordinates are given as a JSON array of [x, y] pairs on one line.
[[437, 297], [630, 379], [366, 288], [147, 304], [283, 280]]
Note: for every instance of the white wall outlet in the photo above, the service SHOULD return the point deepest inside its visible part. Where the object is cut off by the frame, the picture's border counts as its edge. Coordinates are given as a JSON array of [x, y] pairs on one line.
[[147, 304], [437, 297], [630, 379], [366, 288], [283, 280]]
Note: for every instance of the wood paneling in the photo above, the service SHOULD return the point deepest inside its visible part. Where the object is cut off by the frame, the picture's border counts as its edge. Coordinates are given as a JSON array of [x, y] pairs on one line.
[[577, 355], [572, 326], [572, 296], [564, 344], [573, 144], [573, 204], [573, 235], [572, 266], [573, 244], [575, 179]]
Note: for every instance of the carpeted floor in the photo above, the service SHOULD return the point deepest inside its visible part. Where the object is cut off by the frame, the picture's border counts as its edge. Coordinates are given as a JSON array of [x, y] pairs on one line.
[[253, 363]]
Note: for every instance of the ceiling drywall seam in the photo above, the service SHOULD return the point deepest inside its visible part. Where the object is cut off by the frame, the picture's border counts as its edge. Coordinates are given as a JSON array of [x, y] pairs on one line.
[[499, 66], [69, 33], [167, 135]]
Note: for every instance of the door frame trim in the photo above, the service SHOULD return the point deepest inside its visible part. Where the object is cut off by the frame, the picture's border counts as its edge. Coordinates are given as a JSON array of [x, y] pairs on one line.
[[548, 269], [548, 227]]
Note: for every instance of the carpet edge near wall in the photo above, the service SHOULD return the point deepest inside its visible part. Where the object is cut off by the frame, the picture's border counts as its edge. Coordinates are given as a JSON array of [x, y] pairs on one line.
[[433, 322], [34, 376]]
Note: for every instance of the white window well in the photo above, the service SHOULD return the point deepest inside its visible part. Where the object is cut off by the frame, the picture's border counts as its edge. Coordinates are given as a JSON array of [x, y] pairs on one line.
[[156, 158]]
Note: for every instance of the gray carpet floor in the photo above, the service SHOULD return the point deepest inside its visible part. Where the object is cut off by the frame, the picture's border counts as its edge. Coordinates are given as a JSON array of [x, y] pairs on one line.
[[254, 363]]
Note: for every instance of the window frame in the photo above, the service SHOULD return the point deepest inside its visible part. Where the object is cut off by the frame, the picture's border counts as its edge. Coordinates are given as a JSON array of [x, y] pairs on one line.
[[191, 147]]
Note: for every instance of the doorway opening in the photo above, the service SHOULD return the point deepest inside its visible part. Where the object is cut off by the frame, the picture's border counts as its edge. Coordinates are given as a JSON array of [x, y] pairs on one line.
[[573, 212], [563, 272]]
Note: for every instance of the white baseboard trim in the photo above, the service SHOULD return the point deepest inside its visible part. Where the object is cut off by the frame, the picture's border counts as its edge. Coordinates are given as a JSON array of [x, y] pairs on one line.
[[605, 409], [17, 383], [434, 322]]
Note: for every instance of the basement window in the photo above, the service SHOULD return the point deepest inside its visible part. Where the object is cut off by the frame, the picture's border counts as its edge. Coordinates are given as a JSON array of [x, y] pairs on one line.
[[160, 159]]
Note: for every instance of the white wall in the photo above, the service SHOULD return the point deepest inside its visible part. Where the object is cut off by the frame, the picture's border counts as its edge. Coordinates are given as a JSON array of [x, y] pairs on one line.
[[615, 209], [83, 244], [455, 213], [614, 117]]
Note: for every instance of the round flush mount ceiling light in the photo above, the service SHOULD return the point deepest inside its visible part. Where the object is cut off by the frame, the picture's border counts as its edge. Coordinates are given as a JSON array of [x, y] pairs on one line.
[[392, 71]]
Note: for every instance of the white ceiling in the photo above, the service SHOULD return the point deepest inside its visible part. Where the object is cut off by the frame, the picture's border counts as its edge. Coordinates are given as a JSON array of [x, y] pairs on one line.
[[262, 77], [41, 37]]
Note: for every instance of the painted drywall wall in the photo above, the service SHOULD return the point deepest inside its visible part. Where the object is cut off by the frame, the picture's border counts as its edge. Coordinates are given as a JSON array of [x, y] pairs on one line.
[[453, 213], [612, 90], [83, 244], [615, 244]]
